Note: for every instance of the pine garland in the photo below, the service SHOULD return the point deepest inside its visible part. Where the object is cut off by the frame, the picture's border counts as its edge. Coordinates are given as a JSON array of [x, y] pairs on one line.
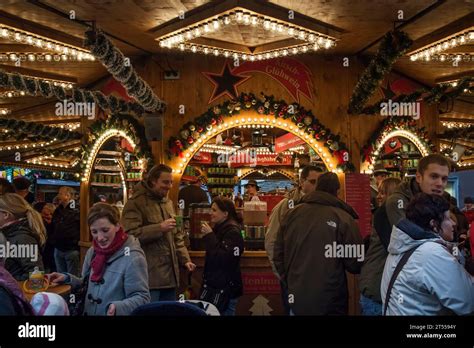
[[435, 95], [126, 123], [38, 87], [266, 105], [393, 45], [37, 131], [114, 61]]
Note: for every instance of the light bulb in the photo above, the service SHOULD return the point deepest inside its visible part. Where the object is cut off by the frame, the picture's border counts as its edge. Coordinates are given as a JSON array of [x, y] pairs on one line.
[[194, 49], [328, 43], [215, 24], [216, 52], [273, 26], [253, 20], [226, 20], [189, 35], [246, 19], [266, 24], [5, 33], [280, 28]]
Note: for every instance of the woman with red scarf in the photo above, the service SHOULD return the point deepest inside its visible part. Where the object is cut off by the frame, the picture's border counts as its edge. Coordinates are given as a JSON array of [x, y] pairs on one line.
[[115, 267]]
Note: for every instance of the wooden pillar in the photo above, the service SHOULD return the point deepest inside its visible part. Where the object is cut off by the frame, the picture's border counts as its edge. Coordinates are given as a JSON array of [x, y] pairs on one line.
[[85, 239]]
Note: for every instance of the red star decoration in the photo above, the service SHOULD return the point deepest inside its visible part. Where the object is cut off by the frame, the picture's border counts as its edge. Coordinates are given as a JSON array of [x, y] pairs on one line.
[[225, 83]]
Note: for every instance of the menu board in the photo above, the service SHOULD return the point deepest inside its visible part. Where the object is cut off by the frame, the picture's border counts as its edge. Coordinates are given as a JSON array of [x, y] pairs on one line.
[[358, 197]]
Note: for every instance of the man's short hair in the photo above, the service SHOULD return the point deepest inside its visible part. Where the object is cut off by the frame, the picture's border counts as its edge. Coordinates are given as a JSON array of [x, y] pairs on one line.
[[21, 183], [155, 172], [307, 169], [328, 182], [434, 158]]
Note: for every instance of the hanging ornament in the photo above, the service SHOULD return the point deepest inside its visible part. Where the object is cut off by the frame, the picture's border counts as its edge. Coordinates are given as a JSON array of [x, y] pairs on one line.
[[216, 110], [260, 110], [192, 128], [254, 101], [184, 134], [334, 146], [190, 140]]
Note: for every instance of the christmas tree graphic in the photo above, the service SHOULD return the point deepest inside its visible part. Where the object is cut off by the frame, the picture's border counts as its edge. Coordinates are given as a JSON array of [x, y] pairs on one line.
[[260, 306]]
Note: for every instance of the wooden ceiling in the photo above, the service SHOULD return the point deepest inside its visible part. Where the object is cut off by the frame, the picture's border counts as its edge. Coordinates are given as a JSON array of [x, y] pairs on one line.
[[132, 23]]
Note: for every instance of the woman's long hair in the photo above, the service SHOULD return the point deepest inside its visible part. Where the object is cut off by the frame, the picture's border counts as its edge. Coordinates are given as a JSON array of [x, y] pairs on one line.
[[227, 205], [19, 208]]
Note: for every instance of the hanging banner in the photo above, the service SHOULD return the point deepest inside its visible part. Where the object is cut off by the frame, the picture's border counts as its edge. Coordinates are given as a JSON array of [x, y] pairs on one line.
[[260, 160], [358, 197], [202, 157], [287, 141], [289, 72]]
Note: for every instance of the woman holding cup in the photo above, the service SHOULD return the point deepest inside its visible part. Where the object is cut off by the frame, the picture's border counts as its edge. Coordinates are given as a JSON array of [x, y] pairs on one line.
[[114, 270], [222, 279]]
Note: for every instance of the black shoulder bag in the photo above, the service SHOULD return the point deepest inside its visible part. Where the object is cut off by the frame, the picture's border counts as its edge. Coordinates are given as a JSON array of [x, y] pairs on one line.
[[77, 308], [397, 270]]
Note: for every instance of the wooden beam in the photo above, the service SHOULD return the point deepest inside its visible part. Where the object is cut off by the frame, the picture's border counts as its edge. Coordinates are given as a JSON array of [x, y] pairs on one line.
[[19, 48], [36, 73], [35, 28], [466, 119], [456, 76], [452, 28], [220, 44], [36, 166], [214, 8], [278, 45]]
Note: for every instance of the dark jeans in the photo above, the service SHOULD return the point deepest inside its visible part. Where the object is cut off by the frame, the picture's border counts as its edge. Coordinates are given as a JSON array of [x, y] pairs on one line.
[[67, 261], [163, 295], [284, 298]]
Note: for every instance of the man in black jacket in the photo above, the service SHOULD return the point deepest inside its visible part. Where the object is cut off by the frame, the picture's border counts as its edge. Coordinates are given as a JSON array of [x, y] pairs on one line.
[[65, 238]]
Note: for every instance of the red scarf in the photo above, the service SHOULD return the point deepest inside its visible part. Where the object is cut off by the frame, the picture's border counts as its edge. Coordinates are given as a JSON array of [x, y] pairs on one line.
[[102, 255]]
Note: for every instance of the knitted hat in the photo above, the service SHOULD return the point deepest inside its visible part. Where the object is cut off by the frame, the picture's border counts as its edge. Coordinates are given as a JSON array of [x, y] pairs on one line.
[[48, 303]]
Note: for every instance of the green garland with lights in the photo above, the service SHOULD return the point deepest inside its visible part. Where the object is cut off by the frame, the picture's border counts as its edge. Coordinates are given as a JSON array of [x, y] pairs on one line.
[[125, 123], [435, 95], [37, 131], [265, 105], [393, 45], [115, 63], [390, 124], [38, 87]]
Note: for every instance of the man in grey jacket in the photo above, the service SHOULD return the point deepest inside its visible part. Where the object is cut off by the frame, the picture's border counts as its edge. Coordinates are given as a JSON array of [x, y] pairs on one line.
[[431, 178]]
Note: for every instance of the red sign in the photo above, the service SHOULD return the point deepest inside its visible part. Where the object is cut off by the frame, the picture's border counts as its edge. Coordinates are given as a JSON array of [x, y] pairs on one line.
[[261, 160], [260, 283], [358, 197], [392, 145], [287, 141], [202, 157], [291, 73]]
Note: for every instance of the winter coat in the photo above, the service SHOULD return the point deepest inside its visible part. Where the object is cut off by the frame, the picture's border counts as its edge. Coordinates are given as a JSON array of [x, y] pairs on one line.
[[20, 233], [372, 269], [274, 222], [67, 227], [12, 299], [224, 247], [432, 282], [305, 258], [398, 201], [124, 282], [164, 252]]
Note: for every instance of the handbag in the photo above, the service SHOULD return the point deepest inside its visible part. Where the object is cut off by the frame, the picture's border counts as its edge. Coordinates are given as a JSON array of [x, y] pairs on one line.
[[77, 308], [218, 297]]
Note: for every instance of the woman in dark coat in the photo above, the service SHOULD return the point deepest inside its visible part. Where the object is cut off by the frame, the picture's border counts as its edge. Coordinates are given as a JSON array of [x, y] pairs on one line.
[[224, 246]]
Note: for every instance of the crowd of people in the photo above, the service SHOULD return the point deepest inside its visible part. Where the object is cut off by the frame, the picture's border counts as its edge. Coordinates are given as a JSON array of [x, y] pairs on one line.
[[416, 261]]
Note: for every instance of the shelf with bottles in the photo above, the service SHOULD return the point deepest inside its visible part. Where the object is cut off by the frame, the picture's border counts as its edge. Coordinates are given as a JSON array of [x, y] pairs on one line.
[[212, 171], [220, 190], [213, 181], [106, 184]]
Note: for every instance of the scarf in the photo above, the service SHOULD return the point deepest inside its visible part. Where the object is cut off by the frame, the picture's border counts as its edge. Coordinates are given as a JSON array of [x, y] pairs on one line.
[[102, 255]]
